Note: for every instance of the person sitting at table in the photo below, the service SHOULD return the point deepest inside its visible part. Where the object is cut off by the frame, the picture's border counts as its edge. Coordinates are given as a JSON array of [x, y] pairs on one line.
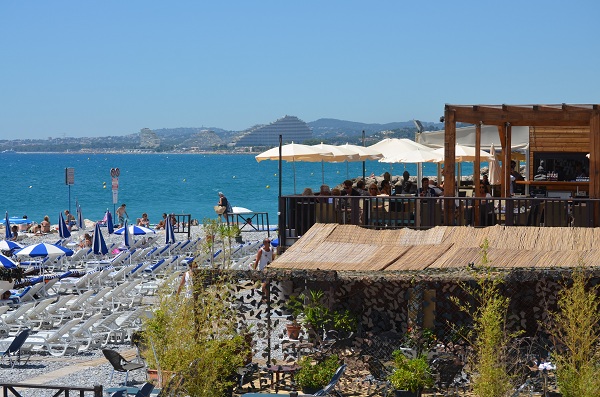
[[425, 190], [307, 192], [386, 188], [361, 188], [348, 189]]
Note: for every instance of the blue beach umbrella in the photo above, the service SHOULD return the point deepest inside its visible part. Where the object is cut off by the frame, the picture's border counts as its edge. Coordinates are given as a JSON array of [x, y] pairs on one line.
[[7, 233], [80, 222], [7, 245], [126, 235], [135, 230], [98, 244], [44, 249], [7, 262], [63, 230], [169, 232], [109, 222]]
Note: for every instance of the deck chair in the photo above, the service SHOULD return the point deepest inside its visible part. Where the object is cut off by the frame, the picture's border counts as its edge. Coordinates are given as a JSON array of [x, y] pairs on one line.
[[329, 389], [15, 348], [119, 364], [56, 342]]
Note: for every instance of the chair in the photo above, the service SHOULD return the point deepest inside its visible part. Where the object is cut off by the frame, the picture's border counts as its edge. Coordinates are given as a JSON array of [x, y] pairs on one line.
[[327, 390], [119, 364], [15, 348], [56, 342]]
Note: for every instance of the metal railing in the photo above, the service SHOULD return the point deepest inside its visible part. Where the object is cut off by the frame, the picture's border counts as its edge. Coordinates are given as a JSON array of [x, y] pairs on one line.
[[60, 390], [299, 213]]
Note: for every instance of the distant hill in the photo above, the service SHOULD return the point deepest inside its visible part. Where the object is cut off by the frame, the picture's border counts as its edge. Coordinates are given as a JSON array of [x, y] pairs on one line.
[[336, 128]]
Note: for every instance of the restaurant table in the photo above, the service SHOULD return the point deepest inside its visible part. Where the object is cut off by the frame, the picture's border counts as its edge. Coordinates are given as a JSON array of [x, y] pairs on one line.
[[278, 373]]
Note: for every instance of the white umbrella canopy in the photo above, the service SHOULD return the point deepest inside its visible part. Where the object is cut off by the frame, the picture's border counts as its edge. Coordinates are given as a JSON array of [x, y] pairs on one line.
[[364, 152], [294, 152], [404, 150], [465, 153], [338, 153]]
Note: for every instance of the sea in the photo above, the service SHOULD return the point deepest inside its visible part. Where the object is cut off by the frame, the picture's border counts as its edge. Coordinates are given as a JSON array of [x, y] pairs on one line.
[[34, 184]]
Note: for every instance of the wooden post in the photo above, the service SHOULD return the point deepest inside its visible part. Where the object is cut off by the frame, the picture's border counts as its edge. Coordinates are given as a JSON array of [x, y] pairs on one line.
[[477, 171], [594, 162], [449, 160]]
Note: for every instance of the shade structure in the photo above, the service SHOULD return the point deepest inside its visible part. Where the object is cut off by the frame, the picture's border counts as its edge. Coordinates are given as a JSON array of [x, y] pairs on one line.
[[338, 154], [98, 244], [294, 152], [169, 232], [80, 222], [404, 150], [495, 169], [135, 230], [7, 262], [126, 235], [364, 152], [6, 245], [465, 153], [7, 233], [63, 230], [43, 250], [109, 222]]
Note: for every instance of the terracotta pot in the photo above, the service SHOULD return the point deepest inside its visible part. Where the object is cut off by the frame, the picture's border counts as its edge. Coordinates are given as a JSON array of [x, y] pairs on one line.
[[153, 377], [293, 331]]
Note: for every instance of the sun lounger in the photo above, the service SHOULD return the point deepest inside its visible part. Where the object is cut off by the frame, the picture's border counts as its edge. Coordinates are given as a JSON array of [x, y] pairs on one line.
[[35, 317], [12, 319], [56, 342]]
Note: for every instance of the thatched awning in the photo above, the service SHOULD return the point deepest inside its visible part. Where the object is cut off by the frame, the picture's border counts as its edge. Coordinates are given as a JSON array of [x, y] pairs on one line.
[[348, 248]]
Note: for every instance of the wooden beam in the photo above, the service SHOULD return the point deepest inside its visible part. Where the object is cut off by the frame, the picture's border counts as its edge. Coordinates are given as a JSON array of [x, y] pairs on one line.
[[595, 155], [449, 161], [507, 159], [522, 116], [502, 135]]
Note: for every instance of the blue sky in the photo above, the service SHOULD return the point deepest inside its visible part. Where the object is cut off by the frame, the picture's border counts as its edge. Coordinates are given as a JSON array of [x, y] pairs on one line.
[[95, 68]]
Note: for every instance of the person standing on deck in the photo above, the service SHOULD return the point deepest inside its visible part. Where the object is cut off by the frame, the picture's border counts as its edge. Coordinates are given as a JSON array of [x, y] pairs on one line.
[[264, 257]]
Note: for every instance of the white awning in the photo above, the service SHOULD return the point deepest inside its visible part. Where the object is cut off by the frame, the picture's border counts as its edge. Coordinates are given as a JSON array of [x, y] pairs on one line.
[[466, 136]]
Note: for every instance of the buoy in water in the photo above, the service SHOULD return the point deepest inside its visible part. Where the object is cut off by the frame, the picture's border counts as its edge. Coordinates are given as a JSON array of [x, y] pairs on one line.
[[268, 186]]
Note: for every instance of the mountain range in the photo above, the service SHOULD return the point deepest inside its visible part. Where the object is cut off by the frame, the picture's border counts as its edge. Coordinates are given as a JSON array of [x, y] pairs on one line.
[[324, 130]]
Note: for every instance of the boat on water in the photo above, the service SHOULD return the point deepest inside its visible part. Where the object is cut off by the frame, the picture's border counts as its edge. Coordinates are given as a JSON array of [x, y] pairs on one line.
[[8, 151]]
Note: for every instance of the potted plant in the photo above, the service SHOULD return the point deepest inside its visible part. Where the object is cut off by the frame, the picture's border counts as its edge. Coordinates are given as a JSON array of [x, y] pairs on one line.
[[311, 311], [313, 376], [410, 375]]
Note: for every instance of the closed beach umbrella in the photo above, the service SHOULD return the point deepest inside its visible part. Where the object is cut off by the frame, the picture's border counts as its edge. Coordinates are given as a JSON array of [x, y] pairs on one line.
[[126, 235], [7, 262], [6, 245], [495, 170], [109, 223], [80, 222], [7, 233], [293, 152], [169, 232], [43, 250], [63, 230], [98, 244]]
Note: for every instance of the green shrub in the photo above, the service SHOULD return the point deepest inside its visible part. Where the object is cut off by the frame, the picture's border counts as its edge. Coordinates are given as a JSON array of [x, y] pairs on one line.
[[576, 328], [412, 374], [316, 375]]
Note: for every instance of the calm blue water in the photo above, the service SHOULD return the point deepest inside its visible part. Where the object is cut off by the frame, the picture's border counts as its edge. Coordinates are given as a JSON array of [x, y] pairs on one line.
[[34, 184]]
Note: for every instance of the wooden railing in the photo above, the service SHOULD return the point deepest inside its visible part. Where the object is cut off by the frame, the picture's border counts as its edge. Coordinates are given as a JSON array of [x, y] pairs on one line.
[[60, 390], [299, 213]]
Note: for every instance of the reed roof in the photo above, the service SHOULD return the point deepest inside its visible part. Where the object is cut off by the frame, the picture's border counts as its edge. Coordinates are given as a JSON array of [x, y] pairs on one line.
[[349, 248]]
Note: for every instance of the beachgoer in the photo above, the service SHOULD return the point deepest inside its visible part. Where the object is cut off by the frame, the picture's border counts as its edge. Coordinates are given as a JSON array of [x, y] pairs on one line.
[[425, 190], [37, 230], [223, 204], [15, 232], [349, 190], [143, 221], [86, 241], [25, 225], [69, 219], [187, 281], [264, 257], [46, 225], [122, 214], [373, 190], [161, 224]]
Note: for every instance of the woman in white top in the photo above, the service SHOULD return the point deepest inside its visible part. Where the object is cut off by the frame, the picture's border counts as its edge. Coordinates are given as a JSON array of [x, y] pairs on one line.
[[263, 258]]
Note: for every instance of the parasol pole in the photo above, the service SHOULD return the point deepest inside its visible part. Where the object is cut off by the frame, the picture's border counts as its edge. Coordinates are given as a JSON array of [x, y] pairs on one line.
[[322, 172]]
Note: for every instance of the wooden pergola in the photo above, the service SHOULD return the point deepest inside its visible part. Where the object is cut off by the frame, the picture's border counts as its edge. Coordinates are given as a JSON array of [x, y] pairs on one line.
[[506, 116]]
